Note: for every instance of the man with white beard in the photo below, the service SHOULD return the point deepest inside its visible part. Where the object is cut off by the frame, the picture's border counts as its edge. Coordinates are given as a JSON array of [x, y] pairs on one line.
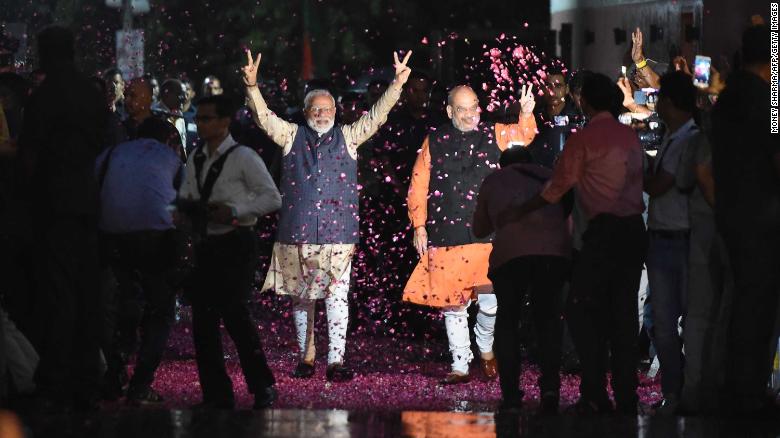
[[318, 223], [453, 267]]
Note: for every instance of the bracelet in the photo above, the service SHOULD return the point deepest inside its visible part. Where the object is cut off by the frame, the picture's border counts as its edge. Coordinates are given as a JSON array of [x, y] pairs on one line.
[[234, 216], [642, 64], [250, 85]]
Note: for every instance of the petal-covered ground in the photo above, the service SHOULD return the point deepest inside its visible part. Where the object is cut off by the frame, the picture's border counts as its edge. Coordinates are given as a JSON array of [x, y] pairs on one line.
[[392, 374]]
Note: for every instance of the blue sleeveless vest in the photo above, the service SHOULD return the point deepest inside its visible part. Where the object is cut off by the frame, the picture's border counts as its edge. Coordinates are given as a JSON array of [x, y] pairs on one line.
[[319, 190]]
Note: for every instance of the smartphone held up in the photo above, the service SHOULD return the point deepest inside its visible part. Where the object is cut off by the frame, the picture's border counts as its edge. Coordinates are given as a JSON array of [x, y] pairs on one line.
[[701, 71]]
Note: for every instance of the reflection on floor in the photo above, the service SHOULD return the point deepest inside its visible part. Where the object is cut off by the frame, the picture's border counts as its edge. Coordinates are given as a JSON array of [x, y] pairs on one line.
[[394, 394], [391, 375], [338, 423]]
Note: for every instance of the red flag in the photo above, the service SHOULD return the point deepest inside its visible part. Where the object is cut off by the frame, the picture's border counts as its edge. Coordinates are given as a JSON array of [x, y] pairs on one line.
[[307, 64]]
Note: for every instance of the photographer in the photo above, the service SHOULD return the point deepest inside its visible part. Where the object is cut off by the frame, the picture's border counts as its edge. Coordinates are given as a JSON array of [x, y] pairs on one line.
[[230, 186]]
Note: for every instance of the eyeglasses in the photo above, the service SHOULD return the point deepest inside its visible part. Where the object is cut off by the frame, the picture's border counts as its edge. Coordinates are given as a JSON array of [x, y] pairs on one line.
[[464, 110], [322, 109]]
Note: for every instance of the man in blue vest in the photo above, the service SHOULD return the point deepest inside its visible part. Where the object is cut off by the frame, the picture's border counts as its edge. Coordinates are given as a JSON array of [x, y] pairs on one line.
[[318, 223]]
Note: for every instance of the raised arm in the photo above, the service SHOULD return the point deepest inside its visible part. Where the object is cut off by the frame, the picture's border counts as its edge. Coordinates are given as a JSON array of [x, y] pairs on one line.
[[280, 131], [357, 133], [628, 98], [524, 131], [638, 56]]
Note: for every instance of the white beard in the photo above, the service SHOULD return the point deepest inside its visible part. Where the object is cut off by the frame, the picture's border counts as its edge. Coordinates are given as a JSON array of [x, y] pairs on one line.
[[320, 130], [457, 125]]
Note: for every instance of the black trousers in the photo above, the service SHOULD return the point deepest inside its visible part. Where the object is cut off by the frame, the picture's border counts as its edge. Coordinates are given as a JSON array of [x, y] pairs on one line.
[[221, 286], [67, 313], [142, 261], [602, 306], [543, 277], [754, 254], [122, 311]]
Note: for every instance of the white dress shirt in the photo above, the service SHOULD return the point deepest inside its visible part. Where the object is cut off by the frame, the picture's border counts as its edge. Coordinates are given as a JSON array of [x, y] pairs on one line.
[[244, 185]]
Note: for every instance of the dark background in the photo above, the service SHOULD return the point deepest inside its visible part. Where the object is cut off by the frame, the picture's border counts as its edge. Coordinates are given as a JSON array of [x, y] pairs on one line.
[[348, 37]]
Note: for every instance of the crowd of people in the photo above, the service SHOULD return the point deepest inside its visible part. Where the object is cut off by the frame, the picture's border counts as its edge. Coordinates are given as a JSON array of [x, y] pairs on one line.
[[125, 194]]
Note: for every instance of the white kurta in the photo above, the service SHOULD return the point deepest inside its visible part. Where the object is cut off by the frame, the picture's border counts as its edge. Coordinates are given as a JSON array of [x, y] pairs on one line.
[[308, 271], [311, 271]]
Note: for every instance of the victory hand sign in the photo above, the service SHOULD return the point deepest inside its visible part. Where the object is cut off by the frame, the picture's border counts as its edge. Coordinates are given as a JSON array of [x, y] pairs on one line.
[[250, 69], [401, 69], [527, 102]]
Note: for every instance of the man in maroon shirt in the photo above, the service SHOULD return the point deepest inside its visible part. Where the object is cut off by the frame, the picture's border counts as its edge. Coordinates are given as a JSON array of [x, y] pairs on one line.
[[529, 256], [604, 163]]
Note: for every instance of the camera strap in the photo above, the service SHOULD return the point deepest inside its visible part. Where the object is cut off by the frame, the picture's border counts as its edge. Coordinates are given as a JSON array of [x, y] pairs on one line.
[[214, 171]]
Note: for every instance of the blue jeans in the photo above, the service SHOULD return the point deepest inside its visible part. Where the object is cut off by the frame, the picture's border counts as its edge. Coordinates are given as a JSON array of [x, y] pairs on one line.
[[667, 272]]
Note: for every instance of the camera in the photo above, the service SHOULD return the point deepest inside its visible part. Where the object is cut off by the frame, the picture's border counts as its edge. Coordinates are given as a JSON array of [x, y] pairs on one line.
[[650, 132]]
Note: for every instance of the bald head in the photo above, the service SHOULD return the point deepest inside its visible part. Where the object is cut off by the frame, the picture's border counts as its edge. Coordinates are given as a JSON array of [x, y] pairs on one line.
[[463, 91], [138, 98], [172, 94], [463, 108]]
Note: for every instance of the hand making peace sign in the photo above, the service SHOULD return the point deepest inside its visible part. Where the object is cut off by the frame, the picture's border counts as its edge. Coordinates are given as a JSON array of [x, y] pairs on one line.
[[401, 69], [527, 102], [250, 69]]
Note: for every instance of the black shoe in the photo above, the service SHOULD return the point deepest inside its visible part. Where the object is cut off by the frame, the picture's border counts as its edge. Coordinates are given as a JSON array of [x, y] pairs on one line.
[[549, 404], [338, 373], [303, 371], [265, 398], [143, 397]]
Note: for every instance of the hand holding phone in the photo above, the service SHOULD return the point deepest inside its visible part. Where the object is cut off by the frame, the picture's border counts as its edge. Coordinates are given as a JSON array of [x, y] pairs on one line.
[[701, 71]]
